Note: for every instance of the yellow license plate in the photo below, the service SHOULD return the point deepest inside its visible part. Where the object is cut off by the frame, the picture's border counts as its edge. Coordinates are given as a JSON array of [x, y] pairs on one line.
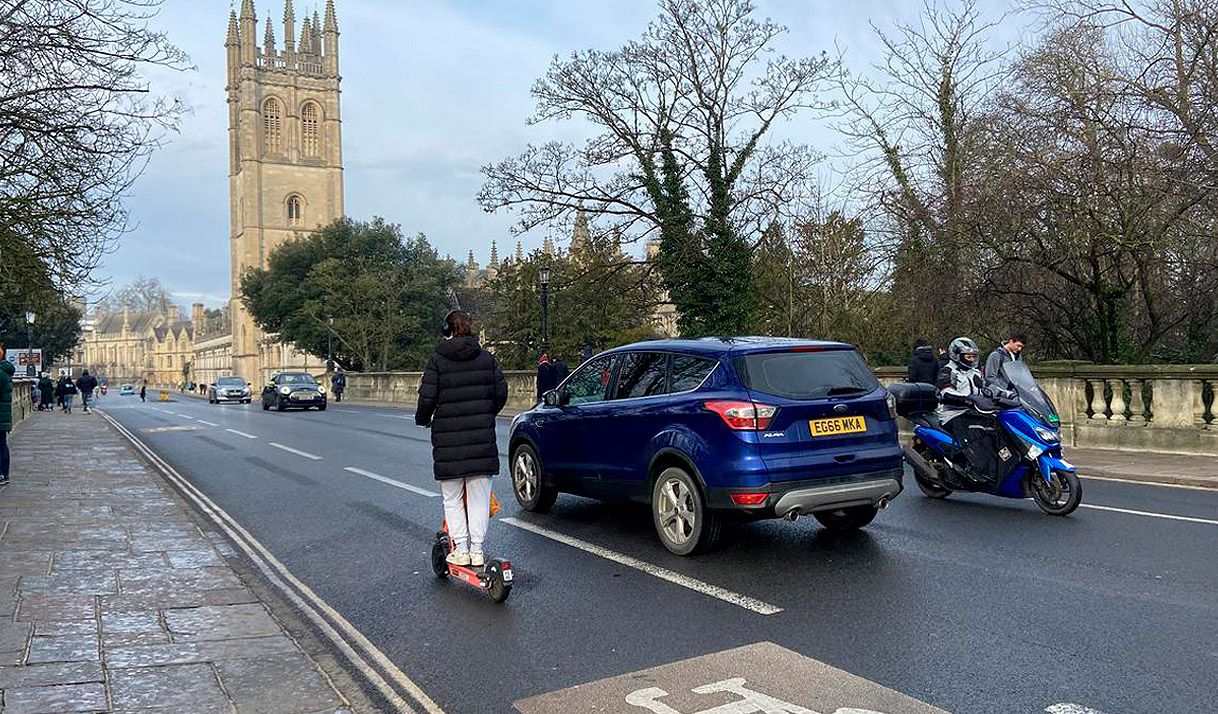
[[838, 425]]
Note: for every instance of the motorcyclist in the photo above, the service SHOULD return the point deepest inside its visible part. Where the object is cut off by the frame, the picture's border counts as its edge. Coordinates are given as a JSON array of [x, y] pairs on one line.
[[966, 411]]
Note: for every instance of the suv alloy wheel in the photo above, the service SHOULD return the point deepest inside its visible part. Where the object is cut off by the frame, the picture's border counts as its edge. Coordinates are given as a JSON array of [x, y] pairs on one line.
[[682, 520]]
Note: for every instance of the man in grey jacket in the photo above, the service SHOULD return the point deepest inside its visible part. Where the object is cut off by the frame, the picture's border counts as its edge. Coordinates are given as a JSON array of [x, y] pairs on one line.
[[1010, 351]]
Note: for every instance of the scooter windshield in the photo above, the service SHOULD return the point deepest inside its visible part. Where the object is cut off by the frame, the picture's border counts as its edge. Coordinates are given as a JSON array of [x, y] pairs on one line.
[[1030, 393]]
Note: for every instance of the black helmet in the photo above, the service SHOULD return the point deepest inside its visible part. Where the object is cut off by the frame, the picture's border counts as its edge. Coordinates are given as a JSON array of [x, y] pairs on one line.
[[962, 347]]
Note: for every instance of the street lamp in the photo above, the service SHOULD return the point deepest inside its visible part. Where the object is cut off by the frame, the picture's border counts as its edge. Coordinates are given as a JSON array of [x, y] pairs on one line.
[[330, 344], [544, 275], [29, 343]]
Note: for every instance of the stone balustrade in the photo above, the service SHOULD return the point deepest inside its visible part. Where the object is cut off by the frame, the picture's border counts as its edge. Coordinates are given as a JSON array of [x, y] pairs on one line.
[[1163, 408], [23, 401]]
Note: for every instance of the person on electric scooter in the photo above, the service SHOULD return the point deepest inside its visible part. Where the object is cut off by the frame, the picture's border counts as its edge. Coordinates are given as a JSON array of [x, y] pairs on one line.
[[965, 410], [462, 392]]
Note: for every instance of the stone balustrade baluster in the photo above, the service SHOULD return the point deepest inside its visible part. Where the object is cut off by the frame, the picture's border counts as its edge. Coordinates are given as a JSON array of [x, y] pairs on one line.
[[1098, 405], [1199, 402], [1118, 400], [1137, 404]]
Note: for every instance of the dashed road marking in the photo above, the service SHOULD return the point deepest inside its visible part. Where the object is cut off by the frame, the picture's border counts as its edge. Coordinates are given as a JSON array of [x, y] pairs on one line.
[[242, 433], [206, 422], [391, 482], [298, 452], [186, 416], [1148, 514], [728, 596], [1066, 708]]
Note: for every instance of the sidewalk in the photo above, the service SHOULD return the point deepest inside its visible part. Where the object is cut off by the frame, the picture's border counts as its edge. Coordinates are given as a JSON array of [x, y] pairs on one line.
[[113, 600], [1179, 469]]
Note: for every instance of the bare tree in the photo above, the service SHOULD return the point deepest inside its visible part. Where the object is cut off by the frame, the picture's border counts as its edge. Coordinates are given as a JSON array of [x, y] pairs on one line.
[[681, 115], [77, 123], [140, 295]]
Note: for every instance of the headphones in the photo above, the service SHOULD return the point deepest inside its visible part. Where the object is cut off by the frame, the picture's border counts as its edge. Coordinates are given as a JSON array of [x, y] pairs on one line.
[[446, 327]]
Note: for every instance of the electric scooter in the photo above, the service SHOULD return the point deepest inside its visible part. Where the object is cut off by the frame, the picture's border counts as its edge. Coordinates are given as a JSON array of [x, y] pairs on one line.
[[495, 578]]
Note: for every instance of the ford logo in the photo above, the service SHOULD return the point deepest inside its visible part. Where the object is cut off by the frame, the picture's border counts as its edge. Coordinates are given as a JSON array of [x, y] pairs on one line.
[[840, 408]]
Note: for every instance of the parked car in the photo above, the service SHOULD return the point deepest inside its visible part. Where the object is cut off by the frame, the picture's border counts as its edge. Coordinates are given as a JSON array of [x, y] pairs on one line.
[[293, 389], [126, 390], [229, 389], [714, 431]]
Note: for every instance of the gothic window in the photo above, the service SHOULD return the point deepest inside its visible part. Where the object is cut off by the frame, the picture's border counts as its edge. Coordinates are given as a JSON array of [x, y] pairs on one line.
[[310, 129], [295, 209], [272, 126]]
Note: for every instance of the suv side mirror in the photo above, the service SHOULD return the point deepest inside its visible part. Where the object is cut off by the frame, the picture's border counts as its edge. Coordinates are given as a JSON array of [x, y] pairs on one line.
[[551, 398]]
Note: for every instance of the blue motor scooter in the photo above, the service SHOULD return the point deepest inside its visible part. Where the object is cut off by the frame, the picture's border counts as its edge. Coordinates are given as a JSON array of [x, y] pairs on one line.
[[1025, 441]]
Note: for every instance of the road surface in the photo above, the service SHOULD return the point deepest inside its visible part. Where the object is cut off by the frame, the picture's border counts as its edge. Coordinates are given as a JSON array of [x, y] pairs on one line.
[[972, 604]]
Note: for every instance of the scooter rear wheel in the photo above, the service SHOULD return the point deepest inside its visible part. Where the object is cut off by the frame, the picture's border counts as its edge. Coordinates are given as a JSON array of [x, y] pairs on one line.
[[439, 555], [931, 490], [498, 589]]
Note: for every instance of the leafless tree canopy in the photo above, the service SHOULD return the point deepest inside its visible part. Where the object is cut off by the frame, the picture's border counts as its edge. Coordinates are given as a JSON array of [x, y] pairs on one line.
[[77, 123]]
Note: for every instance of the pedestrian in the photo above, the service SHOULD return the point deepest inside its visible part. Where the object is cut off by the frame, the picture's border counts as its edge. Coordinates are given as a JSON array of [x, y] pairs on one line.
[[923, 365], [66, 391], [7, 370], [560, 371], [546, 377], [338, 383], [47, 387], [144, 392], [86, 385], [1011, 350], [462, 392], [36, 396]]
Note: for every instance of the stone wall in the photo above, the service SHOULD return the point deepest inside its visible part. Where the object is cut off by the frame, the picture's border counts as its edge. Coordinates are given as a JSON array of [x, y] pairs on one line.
[[1163, 408], [23, 402], [403, 387]]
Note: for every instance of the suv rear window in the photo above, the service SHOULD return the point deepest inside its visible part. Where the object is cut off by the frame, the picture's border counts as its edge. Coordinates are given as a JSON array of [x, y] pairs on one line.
[[806, 375], [689, 372]]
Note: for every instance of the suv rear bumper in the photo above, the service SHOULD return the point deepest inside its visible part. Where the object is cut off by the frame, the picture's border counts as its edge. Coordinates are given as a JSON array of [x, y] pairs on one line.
[[810, 495]]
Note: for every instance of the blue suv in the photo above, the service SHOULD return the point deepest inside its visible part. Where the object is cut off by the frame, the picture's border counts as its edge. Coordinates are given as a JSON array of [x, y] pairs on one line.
[[713, 431]]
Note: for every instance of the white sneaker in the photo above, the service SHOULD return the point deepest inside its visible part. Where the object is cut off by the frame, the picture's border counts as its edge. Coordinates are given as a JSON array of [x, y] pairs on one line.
[[458, 557], [477, 558]]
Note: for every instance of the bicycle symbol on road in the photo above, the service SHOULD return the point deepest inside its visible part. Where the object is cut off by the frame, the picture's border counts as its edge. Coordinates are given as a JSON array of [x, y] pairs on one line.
[[750, 702]]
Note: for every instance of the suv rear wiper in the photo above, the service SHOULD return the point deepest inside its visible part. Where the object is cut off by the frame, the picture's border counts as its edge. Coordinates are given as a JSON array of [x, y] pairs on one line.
[[841, 391]]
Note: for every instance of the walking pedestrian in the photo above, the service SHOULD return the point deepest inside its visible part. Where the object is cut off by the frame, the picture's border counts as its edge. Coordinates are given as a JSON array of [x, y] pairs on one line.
[[7, 370], [339, 384], [86, 385], [144, 392], [546, 377], [462, 392], [560, 371], [66, 391], [47, 387]]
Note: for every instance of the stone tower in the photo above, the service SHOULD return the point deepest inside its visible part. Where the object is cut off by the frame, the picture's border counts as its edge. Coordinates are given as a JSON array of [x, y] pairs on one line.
[[285, 149]]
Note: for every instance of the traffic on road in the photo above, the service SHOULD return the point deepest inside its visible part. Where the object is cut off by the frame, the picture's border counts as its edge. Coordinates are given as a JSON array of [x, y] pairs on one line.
[[964, 604]]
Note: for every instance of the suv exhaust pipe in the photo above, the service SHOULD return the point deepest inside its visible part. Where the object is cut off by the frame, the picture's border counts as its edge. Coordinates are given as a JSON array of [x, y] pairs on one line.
[[882, 503], [791, 515]]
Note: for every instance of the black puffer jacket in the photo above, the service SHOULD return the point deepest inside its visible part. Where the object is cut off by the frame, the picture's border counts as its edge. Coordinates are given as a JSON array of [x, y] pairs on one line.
[[462, 392], [923, 366]]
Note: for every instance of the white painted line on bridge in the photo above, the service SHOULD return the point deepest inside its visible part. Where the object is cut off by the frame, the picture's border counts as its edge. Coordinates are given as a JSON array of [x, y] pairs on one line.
[[1066, 708], [242, 433], [728, 596], [186, 416], [298, 452], [1147, 483], [391, 482], [1167, 516], [209, 423]]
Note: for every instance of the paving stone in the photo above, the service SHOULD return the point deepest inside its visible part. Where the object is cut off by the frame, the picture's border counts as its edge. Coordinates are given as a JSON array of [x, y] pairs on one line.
[[13, 638], [68, 648], [203, 651], [23, 562], [47, 608], [136, 627], [193, 687], [195, 558], [275, 684], [66, 627], [44, 675], [220, 622], [87, 560], [86, 583], [59, 698], [167, 599]]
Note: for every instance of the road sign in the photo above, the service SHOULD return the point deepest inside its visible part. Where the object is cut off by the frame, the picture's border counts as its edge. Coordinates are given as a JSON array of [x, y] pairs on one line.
[[762, 678], [27, 361]]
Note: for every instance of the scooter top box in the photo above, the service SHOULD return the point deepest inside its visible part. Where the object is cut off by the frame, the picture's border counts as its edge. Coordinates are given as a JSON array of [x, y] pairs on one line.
[[914, 398]]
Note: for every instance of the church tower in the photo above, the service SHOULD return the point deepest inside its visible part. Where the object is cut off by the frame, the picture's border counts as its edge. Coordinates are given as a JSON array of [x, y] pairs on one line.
[[285, 149]]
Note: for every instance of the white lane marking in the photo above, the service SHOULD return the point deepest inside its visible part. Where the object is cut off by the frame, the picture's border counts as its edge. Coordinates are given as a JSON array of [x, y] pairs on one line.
[[1065, 708], [313, 606], [186, 416], [1166, 516], [298, 452], [242, 433], [733, 598], [1149, 483], [209, 423], [348, 411], [391, 482]]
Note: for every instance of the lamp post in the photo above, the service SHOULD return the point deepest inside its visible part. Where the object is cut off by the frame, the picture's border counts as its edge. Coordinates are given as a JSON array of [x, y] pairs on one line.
[[30, 317], [329, 344], [544, 275]]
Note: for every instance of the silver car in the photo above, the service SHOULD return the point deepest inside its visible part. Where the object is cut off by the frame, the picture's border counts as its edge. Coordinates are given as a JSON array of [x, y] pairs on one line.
[[229, 389]]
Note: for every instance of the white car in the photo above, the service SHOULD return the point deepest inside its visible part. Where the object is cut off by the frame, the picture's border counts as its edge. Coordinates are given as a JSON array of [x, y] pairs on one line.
[[229, 389]]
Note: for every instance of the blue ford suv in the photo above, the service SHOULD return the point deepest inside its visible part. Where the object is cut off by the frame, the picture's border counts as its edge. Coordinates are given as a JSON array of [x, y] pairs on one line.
[[712, 431]]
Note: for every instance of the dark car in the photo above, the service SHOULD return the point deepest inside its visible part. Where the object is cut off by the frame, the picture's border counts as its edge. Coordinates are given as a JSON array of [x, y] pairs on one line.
[[229, 389], [713, 431], [293, 390]]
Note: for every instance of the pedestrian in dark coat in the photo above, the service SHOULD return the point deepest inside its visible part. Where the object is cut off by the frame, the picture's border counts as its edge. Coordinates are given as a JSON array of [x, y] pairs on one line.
[[462, 392], [7, 370], [547, 378], [86, 384], [144, 392], [47, 387], [339, 384], [923, 365]]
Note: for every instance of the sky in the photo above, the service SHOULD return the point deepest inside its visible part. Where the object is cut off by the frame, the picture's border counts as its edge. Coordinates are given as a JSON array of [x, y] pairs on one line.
[[432, 90]]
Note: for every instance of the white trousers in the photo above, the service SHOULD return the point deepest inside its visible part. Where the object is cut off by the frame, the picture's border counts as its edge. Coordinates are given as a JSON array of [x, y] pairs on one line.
[[467, 521]]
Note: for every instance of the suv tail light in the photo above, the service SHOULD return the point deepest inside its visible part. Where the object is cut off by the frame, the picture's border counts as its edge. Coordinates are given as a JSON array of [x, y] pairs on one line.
[[744, 416], [892, 404]]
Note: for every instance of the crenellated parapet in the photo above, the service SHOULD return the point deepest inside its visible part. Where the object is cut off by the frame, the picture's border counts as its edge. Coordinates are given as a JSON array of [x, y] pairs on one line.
[[312, 52]]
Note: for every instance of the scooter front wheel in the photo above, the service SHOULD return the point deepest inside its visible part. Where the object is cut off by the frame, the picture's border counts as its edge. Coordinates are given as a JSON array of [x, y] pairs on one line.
[[439, 555], [1060, 496], [498, 588]]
